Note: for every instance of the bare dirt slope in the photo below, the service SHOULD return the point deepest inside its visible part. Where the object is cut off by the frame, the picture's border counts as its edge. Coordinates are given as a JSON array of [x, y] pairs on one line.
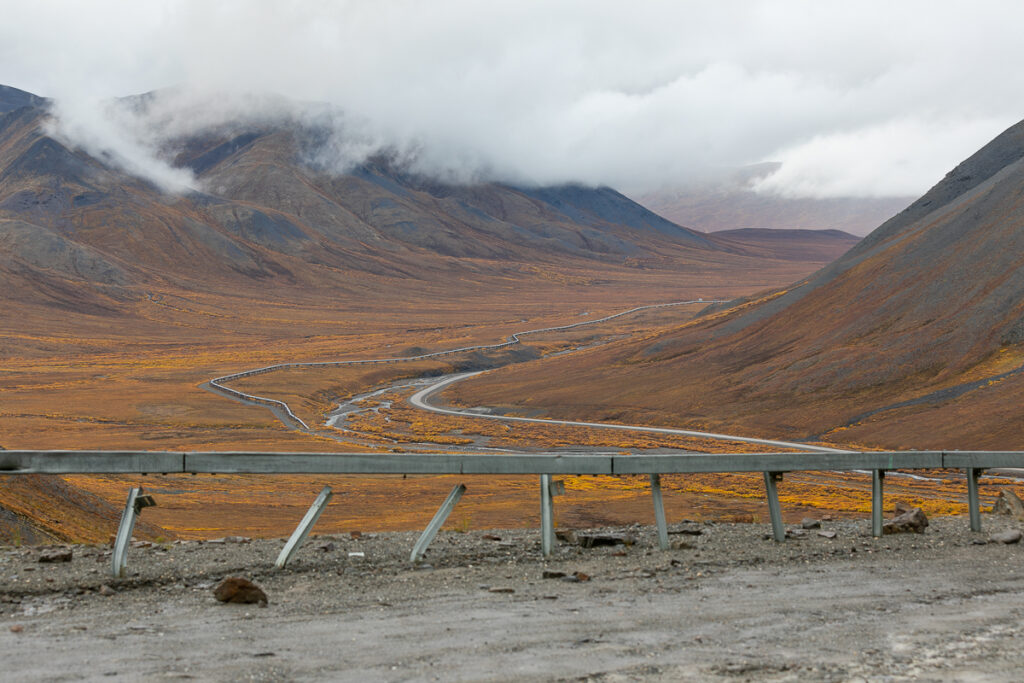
[[912, 339], [914, 607]]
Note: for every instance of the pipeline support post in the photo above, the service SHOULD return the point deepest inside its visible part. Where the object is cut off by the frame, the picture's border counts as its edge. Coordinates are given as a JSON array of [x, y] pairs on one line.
[[302, 530], [420, 548], [547, 519], [973, 502], [132, 508], [659, 511], [877, 506], [771, 480]]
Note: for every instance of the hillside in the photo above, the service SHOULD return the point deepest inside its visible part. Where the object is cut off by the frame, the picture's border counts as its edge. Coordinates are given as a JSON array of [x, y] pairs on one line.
[[914, 338]]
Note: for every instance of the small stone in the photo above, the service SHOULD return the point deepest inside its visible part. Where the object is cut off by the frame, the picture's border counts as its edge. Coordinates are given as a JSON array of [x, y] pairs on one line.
[[595, 540], [810, 523], [17, 628], [107, 590], [566, 535], [56, 555], [217, 541], [501, 589], [1008, 537], [326, 547], [550, 574], [827, 534], [238, 539], [681, 545], [240, 590], [796, 533], [490, 537], [356, 535]]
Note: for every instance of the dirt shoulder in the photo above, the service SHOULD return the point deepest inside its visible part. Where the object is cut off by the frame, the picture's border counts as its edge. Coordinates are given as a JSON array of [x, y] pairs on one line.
[[725, 604]]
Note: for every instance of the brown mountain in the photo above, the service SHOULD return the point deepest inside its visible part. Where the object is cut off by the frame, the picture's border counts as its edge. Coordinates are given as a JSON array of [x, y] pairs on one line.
[[730, 204], [914, 338]]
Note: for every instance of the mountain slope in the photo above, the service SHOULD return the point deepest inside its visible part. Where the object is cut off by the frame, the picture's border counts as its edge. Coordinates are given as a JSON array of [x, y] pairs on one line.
[[917, 323]]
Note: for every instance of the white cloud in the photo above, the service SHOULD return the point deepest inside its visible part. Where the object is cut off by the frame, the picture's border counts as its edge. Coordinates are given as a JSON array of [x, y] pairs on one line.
[[860, 98]]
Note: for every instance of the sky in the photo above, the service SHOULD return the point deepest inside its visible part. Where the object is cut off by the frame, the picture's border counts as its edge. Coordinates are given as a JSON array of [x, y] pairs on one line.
[[853, 98]]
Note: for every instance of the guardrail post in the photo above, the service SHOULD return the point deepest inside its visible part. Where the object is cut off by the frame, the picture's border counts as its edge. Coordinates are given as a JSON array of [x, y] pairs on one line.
[[659, 511], [973, 503], [877, 479], [302, 530], [440, 516], [547, 520], [771, 480], [136, 501]]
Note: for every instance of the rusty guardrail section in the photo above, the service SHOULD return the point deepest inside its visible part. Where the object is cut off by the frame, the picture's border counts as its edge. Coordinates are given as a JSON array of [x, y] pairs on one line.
[[771, 465]]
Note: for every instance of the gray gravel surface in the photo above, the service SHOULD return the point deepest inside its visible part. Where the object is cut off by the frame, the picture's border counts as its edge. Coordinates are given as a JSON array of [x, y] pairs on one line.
[[725, 604]]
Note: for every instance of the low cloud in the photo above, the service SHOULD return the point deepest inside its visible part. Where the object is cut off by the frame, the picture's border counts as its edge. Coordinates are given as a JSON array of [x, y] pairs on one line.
[[854, 99]]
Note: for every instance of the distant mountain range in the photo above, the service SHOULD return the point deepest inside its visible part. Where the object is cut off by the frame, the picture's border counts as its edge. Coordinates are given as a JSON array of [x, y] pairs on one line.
[[914, 338], [729, 203]]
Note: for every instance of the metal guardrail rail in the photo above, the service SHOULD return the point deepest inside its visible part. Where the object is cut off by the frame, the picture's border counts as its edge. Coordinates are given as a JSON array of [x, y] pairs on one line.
[[771, 465]]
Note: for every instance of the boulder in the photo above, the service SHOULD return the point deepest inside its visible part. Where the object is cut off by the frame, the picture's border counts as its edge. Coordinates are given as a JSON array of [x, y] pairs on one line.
[[239, 590], [1009, 503], [907, 520], [1009, 536]]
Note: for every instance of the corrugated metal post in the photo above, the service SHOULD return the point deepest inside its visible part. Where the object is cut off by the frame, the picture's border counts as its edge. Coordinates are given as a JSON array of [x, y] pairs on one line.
[[973, 503], [124, 534], [547, 518], [440, 516], [659, 511], [136, 501], [771, 480], [302, 530], [877, 479]]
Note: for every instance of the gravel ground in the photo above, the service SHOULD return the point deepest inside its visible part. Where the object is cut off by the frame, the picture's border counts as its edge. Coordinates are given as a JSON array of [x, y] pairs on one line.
[[726, 603]]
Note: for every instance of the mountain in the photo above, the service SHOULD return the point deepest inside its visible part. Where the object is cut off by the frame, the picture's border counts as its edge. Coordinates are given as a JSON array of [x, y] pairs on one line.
[[76, 231], [913, 338], [730, 203], [790, 245]]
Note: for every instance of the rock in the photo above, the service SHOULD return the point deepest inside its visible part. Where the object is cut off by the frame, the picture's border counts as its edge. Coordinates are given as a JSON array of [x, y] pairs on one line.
[[580, 576], [681, 545], [17, 628], [827, 534], [550, 574], [326, 547], [565, 535], [238, 539], [239, 590], [810, 523], [908, 520], [107, 590], [595, 540], [356, 535], [501, 589], [796, 533], [56, 555], [1009, 503], [687, 532], [1009, 536], [217, 541], [490, 537]]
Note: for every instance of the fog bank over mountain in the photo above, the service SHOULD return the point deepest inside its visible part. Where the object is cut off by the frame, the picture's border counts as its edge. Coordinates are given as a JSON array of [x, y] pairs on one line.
[[854, 100]]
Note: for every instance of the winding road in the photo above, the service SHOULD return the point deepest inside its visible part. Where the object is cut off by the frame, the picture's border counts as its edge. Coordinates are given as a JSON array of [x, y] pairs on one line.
[[419, 399]]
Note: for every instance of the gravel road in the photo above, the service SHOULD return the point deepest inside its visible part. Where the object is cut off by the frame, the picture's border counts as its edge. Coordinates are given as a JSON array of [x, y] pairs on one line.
[[725, 604]]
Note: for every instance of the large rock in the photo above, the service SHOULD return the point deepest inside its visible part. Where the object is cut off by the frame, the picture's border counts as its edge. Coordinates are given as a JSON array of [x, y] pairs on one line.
[[1008, 537], [1009, 503], [907, 520], [239, 590]]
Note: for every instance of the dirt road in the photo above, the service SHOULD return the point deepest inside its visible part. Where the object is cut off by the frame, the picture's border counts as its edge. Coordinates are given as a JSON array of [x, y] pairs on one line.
[[726, 604]]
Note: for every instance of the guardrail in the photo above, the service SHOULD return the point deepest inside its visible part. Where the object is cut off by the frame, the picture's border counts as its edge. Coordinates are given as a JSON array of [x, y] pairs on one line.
[[771, 465]]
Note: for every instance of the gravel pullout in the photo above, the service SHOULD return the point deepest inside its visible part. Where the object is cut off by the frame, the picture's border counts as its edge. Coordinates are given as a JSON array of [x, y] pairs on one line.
[[724, 604]]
